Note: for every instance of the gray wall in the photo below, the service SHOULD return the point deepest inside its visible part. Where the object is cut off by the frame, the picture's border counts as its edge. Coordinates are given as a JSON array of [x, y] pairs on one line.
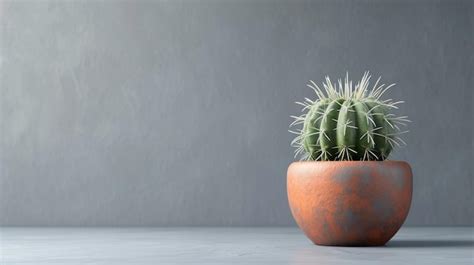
[[176, 113]]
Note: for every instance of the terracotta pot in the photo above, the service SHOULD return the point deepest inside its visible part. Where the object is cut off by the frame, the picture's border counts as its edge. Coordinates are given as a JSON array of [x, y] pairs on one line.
[[350, 203]]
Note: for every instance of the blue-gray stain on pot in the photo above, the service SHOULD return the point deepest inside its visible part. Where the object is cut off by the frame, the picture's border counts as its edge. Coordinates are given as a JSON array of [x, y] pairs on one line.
[[365, 177], [344, 174], [383, 207], [320, 217], [348, 220], [346, 217], [397, 176]]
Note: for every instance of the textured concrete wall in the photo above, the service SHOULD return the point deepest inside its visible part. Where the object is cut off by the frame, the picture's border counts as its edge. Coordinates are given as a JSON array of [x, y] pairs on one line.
[[176, 113]]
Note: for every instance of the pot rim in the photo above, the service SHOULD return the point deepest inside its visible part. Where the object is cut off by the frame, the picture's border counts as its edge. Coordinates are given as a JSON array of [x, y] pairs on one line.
[[321, 165], [348, 161], [324, 165]]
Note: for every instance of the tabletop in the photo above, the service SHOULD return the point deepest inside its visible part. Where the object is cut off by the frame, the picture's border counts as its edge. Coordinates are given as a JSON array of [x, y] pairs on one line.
[[222, 245]]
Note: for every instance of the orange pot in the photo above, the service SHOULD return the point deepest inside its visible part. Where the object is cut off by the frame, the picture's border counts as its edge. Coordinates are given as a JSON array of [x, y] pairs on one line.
[[350, 203]]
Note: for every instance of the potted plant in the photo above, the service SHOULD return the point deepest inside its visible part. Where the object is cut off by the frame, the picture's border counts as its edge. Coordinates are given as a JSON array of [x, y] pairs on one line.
[[346, 192]]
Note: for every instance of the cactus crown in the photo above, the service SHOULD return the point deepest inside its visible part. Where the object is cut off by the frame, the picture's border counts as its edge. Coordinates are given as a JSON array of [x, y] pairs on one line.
[[348, 123]]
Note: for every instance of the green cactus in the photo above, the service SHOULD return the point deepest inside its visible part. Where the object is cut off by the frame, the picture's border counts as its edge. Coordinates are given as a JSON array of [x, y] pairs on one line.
[[348, 124]]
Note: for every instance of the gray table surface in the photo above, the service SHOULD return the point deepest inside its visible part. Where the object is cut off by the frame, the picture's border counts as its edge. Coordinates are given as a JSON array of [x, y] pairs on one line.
[[412, 245]]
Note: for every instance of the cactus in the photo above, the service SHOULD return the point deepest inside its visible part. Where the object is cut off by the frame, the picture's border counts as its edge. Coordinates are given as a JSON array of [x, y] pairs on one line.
[[348, 124]]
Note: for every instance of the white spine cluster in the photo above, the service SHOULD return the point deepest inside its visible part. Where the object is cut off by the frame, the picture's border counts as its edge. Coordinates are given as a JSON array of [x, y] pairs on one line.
[[360, 93]]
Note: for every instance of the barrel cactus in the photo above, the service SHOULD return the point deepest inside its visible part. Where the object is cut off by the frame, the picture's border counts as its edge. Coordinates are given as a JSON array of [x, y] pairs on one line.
[[346, 123]]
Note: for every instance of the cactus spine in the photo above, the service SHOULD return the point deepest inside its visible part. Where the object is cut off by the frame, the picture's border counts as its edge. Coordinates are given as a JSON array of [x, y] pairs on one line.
[[346, 123]]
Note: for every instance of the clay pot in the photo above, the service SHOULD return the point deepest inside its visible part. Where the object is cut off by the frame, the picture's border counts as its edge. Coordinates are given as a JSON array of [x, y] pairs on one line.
[[350, 203]]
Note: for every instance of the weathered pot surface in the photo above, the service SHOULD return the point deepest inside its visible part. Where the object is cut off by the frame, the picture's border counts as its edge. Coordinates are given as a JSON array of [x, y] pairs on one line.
[[350, 203]]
